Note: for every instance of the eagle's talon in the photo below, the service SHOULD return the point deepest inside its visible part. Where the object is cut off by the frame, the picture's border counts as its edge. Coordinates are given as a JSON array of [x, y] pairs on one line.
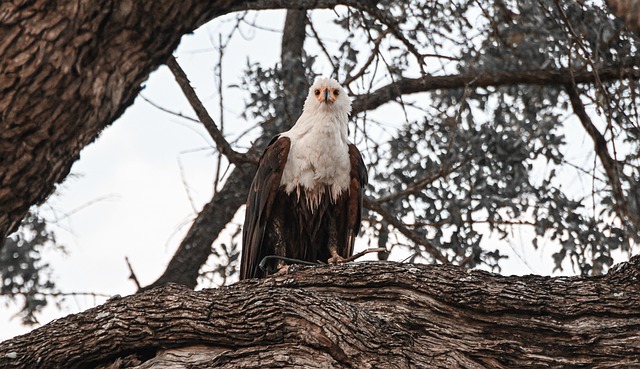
[[282, 269], [336, 259]]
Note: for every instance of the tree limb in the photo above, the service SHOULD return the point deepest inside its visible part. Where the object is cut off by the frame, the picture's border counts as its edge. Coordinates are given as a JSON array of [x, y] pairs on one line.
[[544, 77], [609, 164], [223, 146], [356, 315]]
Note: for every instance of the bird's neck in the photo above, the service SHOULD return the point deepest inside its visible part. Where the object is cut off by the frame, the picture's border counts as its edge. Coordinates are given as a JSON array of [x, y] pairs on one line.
[[319, 123]]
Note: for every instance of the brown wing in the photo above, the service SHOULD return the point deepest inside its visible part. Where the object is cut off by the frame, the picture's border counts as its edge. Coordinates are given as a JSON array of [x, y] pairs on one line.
[[354, 199], [260, 202]]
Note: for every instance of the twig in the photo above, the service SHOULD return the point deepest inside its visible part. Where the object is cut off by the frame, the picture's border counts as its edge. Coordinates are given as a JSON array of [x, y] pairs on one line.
[[393, 27], [417, 186], [363, 253], [219, 163], [321, 44], [132, 276], [372, 56], [168, 111]]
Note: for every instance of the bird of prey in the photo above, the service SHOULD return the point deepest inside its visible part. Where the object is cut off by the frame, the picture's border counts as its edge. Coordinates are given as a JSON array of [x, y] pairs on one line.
[[305, 201]]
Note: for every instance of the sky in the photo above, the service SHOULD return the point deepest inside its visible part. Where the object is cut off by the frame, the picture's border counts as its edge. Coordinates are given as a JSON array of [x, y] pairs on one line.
[[136, 189]]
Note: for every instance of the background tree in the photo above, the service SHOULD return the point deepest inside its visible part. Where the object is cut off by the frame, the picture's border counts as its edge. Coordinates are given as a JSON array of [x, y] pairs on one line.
[[487, 92]]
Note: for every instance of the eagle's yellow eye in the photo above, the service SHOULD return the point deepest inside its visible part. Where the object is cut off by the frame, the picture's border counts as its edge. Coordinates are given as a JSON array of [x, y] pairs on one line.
[[317, 92]]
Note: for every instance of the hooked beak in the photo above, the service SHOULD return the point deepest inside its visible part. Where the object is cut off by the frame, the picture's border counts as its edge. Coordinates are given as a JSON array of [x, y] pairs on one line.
[[326, 96]]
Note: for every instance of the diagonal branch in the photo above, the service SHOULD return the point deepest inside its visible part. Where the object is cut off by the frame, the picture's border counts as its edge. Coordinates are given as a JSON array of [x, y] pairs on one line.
[[400, 226], [609, 164], [223, 146]]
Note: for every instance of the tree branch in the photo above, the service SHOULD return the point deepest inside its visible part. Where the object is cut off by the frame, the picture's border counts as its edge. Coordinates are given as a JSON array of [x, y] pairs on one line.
[[400, 226], [356, 315], [202, 113], [544, 77], [609, 164]]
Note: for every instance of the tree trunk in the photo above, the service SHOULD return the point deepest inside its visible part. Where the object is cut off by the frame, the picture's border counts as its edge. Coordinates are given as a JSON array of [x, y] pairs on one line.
[[363, 315]]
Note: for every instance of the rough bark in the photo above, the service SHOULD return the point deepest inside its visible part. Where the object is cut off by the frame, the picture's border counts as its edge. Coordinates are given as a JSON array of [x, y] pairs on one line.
[[363, 315], [69, 69], [629, 11]]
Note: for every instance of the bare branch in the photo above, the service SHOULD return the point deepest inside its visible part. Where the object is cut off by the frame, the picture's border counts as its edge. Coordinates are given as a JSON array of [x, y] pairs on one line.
[[544, 77], [372, 56], [217, 136], [412, 235], [443, 171], [609, 164], [132, 274]]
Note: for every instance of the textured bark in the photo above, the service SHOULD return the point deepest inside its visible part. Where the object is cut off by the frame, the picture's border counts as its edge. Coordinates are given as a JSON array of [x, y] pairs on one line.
[[363, 315], [69, 69], [629, 11]]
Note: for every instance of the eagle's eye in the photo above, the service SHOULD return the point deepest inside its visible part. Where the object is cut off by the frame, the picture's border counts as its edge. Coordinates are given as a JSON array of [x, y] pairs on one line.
[[317, 92], [336, 92]]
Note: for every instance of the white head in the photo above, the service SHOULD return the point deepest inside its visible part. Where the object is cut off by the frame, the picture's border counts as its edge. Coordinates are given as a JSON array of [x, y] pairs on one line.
[[326, 95]]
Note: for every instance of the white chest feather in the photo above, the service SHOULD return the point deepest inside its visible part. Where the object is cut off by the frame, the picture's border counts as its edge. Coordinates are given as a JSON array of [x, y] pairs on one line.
[[318, 161]]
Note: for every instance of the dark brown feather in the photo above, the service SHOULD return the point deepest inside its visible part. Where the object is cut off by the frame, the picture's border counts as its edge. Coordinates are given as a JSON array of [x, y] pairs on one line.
[[260, 203], [272, 213]]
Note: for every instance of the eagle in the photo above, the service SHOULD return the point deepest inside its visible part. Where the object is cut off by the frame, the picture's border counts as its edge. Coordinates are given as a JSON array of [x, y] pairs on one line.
[[305, 201]]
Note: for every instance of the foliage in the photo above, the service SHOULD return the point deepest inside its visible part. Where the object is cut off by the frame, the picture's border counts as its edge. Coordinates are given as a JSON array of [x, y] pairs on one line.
[[26, 278]]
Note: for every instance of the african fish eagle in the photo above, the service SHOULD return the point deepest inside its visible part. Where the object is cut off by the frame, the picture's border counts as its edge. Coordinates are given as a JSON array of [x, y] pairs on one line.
[[305, 201]]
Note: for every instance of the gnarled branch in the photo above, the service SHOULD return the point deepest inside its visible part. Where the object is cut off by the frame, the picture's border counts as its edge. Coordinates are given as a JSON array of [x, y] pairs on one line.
[[361, 315]]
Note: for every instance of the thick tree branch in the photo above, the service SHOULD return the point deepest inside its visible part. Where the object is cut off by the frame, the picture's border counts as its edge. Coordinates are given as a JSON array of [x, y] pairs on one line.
[[361, 315]]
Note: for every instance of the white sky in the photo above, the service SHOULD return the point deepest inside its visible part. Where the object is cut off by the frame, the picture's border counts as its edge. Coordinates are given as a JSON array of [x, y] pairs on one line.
[[126, 196]]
